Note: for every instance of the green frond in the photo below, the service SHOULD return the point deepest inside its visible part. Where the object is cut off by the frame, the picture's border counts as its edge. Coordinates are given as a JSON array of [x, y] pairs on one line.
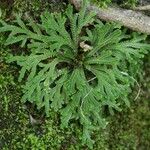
[[76, 65]]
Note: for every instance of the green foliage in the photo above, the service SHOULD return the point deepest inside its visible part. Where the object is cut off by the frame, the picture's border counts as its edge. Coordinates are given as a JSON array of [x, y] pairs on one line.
[[130, 3], [28, 8], [105, 3], [35, 7], [5, 78], [76, 73], [102, 3]]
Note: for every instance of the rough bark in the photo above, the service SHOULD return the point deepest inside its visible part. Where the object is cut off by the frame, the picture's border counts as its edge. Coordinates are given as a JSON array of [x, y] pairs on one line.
[[132, 19], [147, 7]]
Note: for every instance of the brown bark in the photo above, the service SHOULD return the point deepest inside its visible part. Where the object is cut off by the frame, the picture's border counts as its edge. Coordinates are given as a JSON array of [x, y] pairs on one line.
[[132, 19]]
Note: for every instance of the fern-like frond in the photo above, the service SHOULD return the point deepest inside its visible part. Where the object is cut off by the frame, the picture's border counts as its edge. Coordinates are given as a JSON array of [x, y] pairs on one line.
[[76, 65]]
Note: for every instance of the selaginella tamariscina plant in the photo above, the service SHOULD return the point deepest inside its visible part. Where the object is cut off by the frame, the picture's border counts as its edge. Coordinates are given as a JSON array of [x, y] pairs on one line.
[[75, 65]]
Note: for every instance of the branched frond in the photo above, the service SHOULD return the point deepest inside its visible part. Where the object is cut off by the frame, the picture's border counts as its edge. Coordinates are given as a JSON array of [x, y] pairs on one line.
[[75, 65]]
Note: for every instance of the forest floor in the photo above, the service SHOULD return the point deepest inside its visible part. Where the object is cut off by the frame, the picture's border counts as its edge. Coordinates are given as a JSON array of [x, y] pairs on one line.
[[127, 130]]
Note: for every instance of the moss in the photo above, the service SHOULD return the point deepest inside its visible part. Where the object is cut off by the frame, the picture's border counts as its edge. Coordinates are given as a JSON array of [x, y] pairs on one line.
[[29, 8], [123, 3], [36, 7], [102, 3], [128, 129]]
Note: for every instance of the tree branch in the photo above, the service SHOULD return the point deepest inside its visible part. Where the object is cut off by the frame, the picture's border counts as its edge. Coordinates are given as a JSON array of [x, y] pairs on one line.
[[128, 18], [147, 7]]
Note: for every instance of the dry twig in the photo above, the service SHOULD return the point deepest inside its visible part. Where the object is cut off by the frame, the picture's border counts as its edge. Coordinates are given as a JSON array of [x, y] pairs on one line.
[[147, 7], [132, 19]]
